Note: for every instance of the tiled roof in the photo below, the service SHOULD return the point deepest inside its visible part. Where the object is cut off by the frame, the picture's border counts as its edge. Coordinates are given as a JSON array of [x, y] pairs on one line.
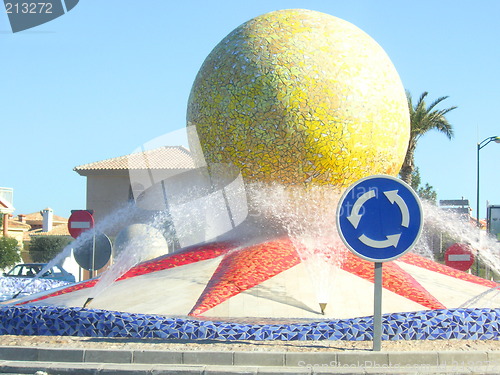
[[59, 230], [14, 224], [166, 157], [37, 217]]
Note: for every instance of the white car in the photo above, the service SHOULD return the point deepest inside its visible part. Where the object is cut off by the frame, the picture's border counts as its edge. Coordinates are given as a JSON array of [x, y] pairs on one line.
[[27, 270]]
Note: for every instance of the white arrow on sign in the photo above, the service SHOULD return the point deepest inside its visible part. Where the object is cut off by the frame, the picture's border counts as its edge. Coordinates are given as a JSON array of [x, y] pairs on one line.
[[393, 196], [355, 217], [392, 240]]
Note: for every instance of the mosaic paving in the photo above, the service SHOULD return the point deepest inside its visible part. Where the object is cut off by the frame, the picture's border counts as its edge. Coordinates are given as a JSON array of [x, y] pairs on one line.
[[474, 324], [299, 96]]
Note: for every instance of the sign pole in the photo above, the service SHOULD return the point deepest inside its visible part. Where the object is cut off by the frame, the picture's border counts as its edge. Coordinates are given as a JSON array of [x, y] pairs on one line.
[[93, 257], [377, 307]]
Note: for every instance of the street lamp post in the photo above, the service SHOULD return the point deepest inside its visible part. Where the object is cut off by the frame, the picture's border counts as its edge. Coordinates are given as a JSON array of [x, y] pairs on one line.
[[480, 145]]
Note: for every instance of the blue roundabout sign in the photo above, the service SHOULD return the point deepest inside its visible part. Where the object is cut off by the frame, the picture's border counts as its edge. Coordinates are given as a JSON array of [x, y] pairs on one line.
[[379, 218]]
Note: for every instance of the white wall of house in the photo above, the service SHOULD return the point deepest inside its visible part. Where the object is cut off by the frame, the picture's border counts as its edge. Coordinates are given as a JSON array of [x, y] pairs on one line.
[[106, 194]]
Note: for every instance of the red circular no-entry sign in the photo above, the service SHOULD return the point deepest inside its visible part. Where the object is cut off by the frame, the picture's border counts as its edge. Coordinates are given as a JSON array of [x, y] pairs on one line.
[[79, 222], [459, 256]]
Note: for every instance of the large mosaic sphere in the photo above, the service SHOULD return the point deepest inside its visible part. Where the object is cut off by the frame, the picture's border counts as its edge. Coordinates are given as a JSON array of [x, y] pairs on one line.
[[298, 96]]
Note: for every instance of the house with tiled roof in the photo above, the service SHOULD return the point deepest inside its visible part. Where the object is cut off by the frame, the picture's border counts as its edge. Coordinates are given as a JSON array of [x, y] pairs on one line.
[[60, 230], [35, 220], [112, 183]]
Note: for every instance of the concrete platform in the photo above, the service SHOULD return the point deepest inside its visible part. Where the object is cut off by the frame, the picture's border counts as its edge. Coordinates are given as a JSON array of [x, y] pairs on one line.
[[289, 294]]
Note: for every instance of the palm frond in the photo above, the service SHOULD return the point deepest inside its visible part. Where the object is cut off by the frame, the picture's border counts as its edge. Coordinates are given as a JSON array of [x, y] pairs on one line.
[[424, 118], [436, 102]]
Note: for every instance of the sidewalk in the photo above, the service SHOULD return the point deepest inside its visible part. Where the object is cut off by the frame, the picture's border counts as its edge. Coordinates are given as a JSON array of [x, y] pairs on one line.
[[29, 360]]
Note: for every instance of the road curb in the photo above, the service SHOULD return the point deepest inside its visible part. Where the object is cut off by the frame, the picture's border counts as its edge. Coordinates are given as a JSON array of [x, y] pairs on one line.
[[101, 361]]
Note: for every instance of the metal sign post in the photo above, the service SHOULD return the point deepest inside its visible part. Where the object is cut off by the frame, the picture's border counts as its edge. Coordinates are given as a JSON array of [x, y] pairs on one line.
[[379, 218], [377, 307], [93, 270]]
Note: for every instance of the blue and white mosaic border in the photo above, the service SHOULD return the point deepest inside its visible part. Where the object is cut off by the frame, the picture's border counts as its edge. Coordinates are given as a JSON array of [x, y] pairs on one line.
[[476, 324]]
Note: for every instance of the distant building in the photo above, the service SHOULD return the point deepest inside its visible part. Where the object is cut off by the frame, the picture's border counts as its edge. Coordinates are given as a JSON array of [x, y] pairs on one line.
[[109, 185], [493, 220], [459, 207], [6, 208], [36, 221], [24, 226]]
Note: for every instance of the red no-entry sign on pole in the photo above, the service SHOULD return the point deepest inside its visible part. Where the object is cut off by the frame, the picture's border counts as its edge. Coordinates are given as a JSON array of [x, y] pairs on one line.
[[79, 222], [459, 256]]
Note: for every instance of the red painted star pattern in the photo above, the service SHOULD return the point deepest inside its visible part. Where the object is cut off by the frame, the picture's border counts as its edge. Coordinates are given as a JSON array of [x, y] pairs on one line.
[[242, 268]]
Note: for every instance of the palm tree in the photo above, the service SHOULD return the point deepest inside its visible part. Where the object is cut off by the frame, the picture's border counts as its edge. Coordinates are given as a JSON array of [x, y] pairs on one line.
[[423, 119]]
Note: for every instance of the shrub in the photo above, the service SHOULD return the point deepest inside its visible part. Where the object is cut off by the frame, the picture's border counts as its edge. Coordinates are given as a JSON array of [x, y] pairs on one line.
[[9, 252], [45, 248]]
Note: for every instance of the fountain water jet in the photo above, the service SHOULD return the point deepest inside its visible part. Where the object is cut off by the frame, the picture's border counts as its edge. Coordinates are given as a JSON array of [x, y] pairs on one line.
[[296, 210], [109, 224], [461, 229]]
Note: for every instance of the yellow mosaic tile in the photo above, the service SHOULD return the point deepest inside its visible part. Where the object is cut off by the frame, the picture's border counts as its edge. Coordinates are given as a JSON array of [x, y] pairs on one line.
[[298, 96]]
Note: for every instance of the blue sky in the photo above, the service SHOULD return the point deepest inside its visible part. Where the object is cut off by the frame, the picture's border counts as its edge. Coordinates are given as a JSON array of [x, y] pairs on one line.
[[111, 75]]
